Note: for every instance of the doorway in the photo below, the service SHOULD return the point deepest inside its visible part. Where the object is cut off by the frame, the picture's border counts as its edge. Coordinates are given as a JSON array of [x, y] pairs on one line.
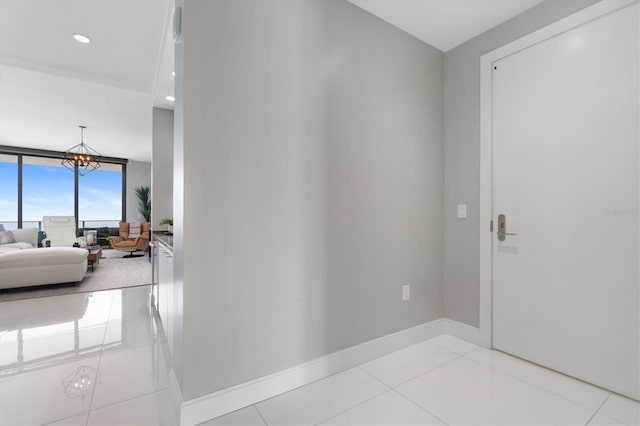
[[563, 256]]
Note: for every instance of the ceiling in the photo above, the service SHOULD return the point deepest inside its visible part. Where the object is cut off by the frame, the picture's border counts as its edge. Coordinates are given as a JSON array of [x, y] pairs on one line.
[[445, 24], [43, 111], [126, 38], [50, 83]]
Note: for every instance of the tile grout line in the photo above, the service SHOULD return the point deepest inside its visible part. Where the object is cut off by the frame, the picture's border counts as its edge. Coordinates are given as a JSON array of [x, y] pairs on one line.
[[451, 350], [299, 387], [260, 414], [395, 388], [419, 406], [357, 405], [144, 395], [360, 367], [315, 381], [428, 371], [539, 387], [559, 373], [95, 384], [598, 409], [335, 374], [96, 355], [390, 389]]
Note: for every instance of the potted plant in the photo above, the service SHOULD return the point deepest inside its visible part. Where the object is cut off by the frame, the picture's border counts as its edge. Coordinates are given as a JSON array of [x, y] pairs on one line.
[[169, 222], [144, 201]]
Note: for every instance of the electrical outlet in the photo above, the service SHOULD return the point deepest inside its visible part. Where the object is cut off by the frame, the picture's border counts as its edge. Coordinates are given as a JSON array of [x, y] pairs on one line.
[[406, 293]]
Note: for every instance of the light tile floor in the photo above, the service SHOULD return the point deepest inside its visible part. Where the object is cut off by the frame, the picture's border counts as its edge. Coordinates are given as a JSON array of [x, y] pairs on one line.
[[110, 339], [83, 359]]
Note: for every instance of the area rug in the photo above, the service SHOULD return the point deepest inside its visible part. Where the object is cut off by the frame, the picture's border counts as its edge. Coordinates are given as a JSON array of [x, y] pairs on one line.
[[112, 272]]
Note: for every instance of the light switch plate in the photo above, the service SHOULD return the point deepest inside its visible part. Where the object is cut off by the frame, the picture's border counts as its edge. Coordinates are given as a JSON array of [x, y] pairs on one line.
[[406, 293], [462, 211]]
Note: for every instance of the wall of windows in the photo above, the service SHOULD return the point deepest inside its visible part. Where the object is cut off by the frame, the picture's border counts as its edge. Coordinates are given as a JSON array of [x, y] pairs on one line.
[[9, 191], [33, 186]]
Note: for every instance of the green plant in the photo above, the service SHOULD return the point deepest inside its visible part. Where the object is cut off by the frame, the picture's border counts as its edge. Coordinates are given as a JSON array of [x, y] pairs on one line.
[[166, 221], [144, 201]]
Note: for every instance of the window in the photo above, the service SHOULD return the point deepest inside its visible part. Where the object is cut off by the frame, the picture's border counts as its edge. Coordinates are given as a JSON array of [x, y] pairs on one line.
[[47, 190], [100, 197], [33, 184], [9, 191]]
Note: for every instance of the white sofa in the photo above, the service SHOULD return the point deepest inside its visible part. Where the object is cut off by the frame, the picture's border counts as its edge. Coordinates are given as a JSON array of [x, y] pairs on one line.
[[22, 265], [26, 239]]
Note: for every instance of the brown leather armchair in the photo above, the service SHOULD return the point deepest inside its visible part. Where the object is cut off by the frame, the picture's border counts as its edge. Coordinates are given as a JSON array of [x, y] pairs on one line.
[[132, 245]]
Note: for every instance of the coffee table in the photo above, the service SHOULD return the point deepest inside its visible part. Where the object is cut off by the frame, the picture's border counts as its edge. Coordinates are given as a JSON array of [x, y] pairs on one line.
[[94, 257]]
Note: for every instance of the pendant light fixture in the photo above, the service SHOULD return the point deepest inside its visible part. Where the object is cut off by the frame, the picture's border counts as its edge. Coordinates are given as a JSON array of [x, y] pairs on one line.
[[82, 155]]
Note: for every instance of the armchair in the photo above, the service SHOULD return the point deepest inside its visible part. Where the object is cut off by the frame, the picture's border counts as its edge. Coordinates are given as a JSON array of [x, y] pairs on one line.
[[60, 230], [132, 245]]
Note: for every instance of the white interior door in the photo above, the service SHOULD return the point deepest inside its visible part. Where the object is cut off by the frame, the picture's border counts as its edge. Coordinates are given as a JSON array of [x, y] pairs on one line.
[[565, 174]]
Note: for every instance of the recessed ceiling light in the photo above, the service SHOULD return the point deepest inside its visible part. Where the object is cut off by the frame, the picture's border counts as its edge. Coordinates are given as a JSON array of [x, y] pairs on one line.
[[170, 98], [173, 73], [82, 38]]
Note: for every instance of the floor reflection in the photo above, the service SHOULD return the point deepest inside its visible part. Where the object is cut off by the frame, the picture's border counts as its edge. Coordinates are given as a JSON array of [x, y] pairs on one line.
[[56, 329], [79, 383], [64, 356], [73, 326]]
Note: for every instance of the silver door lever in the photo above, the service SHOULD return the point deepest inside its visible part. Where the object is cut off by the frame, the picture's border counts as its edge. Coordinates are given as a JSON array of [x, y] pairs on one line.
[[502, 228]]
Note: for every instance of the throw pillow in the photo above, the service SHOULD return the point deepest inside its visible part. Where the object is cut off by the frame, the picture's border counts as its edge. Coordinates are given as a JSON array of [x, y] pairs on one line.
[[134, 230], [7, 237]]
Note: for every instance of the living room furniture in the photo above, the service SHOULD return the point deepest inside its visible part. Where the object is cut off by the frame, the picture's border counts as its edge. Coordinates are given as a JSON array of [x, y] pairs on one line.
[[61, 230], [22, 264], [123, 242], [24, 239], [94, 257], [39, 266]]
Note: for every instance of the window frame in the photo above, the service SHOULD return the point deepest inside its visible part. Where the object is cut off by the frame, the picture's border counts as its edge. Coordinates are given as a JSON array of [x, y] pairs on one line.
[[31, 152]]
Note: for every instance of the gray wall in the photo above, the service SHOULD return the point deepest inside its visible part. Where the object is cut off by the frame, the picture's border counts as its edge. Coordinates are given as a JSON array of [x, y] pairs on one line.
[[162, 167], [309, 140], [385, 176], [462, 153], [138, 174]]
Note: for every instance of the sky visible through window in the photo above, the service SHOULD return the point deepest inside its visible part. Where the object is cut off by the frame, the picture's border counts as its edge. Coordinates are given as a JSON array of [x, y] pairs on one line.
[[48, 190]]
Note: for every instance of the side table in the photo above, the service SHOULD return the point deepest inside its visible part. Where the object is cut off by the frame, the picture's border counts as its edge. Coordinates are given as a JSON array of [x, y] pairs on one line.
[[94, 257]]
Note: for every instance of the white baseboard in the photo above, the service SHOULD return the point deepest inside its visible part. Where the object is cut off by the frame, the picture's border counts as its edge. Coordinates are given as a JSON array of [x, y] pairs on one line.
[[463, 331], [227, 400]]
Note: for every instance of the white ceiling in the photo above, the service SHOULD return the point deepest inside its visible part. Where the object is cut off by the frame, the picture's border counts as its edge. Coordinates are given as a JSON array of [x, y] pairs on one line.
[[43, 111], [126, 37], [50, 83], [445, 24], [53, 83]]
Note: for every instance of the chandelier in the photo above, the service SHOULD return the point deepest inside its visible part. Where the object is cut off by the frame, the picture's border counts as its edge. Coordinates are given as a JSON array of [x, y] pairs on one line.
[[82, 156]]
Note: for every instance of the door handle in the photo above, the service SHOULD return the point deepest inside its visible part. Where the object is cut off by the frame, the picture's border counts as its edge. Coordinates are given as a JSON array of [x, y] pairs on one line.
[[502, 228]]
